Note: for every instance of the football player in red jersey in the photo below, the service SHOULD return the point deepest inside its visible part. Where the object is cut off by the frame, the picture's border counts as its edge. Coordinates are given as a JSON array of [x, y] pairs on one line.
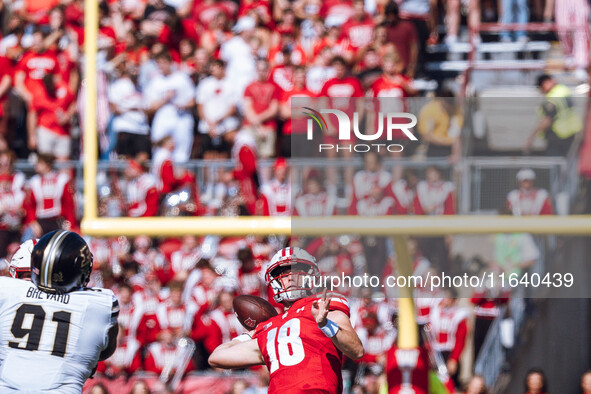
[[303, 347]]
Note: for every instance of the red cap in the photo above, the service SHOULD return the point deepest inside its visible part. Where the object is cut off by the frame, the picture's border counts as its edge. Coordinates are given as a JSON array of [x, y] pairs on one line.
[[280, 162]]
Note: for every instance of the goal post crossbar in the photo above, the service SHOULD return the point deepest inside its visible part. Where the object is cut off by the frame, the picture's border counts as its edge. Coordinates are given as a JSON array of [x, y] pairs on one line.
[[336, 225]]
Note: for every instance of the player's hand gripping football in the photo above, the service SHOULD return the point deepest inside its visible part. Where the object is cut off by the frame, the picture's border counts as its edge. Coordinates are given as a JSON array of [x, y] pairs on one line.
[[320, 309]]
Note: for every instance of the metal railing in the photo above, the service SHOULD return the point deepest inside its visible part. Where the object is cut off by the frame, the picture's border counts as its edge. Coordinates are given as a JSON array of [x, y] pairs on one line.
[[482, 183], [474, 64], [486, 181], [492, 356]]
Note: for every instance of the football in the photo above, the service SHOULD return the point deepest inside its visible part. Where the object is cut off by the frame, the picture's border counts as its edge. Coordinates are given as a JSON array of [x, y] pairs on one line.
[[251, 310]]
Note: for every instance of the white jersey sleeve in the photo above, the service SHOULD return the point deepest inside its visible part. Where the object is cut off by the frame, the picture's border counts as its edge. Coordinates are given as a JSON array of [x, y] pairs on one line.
[[60, 337]]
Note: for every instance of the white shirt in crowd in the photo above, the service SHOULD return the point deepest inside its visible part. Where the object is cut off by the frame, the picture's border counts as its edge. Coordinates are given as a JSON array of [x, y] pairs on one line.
[[170, 119], [177, 81], [217, 96], [317, 77], [123, 95], [240, 59]]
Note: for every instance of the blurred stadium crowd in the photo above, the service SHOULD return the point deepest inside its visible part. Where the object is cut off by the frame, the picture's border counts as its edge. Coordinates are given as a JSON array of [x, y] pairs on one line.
[[201, 71], [184, 79]]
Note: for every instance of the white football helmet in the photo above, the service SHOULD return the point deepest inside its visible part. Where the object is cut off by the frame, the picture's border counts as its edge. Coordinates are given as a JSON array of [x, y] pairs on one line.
[[19, 266], [303, 269]]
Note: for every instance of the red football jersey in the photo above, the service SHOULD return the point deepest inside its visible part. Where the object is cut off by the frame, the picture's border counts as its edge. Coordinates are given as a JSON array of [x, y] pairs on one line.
[[299, 356]]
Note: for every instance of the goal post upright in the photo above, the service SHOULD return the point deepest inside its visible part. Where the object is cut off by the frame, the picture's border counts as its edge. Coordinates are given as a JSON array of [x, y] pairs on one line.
[[90, 137], [408, 336]]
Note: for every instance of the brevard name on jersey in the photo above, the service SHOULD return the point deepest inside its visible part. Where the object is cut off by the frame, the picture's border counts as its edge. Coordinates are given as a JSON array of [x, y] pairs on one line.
[[58, 337], [300, 358], [33, 292]]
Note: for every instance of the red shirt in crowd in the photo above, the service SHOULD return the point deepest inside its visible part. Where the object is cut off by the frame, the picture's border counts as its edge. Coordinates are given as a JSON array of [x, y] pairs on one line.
[[418, 359], [262, 95], [65, 65], [48, 108], [486, 307], [206, 11], [215, 328], [389, 87], [450, 329], [173, 317], [6, 71], [404, 196], [142, 196], [183, 260], [434, 198], [245, 157], [365, 181], [375, 207], [341, 47], [278, 196], [261, 7], [359, 33], [163, 168], [321, 204], [403, 35], [250, 282], [38, 10], [201, 297], [297, 55], [145, 318], [161, 355], [35, 66], [529, 202], [341, 91], [375, 343], [50, 196], [126, 359], [339, 10]]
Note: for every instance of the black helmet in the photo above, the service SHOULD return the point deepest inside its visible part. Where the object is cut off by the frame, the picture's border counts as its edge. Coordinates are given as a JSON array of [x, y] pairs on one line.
[[61, 262]]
